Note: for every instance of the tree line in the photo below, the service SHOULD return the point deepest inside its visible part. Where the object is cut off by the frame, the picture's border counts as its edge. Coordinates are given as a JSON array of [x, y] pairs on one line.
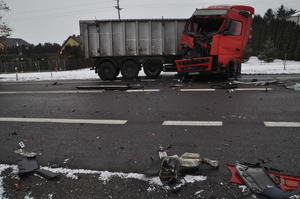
[[274, 36]]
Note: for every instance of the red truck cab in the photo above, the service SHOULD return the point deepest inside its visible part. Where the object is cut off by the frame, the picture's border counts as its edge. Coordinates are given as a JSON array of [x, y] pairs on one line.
[[214, 40]]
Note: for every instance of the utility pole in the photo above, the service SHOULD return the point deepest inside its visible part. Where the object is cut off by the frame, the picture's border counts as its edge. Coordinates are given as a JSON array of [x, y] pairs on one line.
[[118, 8]]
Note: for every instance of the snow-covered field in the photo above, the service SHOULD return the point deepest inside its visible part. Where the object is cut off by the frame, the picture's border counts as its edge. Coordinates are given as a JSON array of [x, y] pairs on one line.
[[253, 66]]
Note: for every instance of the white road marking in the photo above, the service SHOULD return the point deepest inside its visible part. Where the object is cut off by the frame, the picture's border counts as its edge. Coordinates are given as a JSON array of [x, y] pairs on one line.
[[49, 92], [192, 123], [142, 90], [252, 89], [61, 120], [198, 89], [282, 124]]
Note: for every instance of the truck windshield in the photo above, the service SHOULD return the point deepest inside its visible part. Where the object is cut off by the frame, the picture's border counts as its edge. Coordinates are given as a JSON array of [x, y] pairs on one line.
[[210, 12], [203, 26]]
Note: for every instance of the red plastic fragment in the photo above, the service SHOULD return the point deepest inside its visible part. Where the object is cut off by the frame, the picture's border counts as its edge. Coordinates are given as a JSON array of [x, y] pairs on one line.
[[284, 182], [235, 178]]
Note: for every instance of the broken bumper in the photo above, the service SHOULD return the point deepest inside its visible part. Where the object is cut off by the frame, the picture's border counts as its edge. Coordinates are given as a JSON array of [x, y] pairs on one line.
[[194, 65]]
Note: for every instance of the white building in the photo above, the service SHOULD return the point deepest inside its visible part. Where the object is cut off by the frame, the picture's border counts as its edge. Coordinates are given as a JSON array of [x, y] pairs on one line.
[[295, 18]]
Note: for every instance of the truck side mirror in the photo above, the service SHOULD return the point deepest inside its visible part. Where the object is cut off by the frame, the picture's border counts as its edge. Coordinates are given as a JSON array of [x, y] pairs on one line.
[[245, 14]]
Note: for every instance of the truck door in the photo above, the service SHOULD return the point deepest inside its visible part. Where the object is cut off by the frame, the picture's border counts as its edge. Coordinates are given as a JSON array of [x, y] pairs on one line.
[[231, 43]]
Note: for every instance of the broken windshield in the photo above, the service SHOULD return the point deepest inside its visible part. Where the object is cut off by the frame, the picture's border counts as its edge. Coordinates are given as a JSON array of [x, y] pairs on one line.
[[204, 26]]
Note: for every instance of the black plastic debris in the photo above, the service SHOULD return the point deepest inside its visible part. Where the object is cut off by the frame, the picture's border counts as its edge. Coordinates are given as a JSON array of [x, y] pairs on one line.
[[153, 169], [276, 193], [263, 181], [256, 178], [47, 174], [169, 170], [27, 166]]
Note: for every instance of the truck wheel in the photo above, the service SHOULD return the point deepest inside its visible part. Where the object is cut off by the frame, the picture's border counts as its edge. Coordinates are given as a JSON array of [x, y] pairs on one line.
[[107, 71], [239, 69], [129, 69], [233, 70], [229, 73], [153, 68]]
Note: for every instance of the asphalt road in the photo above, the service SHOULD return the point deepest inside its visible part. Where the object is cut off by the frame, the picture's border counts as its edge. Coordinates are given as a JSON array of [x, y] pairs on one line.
[[225, 125]]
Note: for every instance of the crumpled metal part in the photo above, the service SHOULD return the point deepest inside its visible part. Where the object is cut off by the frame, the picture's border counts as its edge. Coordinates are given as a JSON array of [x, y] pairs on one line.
[[171, 165]]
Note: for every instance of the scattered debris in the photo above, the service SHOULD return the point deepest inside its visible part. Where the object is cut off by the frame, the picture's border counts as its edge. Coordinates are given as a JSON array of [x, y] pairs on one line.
[[18, 186], [47, 174], [171, 166], [66, 160], [244, 188], [29, 164], [295, 87], [261, 180], [24, 153], [257, 83], [21, 145]]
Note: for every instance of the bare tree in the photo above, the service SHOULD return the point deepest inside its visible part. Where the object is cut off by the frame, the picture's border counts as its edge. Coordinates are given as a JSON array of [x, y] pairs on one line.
[[5, 30]]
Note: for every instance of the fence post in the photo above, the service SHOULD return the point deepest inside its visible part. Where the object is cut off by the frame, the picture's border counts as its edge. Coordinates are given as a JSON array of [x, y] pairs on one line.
[[284, 62]]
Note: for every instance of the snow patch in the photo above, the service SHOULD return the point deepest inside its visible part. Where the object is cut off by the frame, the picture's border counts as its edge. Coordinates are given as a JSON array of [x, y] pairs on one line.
[[105, 176], [255, 66], [193, 179], [3, 167], [28, 196], [252, 66], [80, 74], [151, 188]]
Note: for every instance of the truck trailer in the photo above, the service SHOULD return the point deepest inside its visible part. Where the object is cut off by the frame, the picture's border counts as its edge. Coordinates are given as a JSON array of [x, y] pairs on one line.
[[213, 40]]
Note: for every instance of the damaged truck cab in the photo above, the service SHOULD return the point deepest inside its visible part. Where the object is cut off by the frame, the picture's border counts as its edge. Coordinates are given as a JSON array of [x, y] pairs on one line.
[[214, 40]]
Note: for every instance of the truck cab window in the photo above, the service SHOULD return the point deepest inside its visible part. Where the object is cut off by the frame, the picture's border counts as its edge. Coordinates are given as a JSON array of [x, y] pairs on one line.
[[204, 25], [234, 29]]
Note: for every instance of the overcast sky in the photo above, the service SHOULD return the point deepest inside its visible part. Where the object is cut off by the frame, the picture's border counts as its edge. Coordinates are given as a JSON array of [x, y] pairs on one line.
[[54, 20]]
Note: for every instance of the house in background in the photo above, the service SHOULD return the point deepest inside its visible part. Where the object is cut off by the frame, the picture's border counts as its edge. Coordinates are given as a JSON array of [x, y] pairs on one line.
[[295, 18], [12, 42], [71, 41]]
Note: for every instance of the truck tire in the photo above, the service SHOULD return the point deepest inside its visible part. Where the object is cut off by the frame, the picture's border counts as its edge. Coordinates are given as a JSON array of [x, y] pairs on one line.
[[107, 70], [233, 70], [153, 68], [239, 69], [130, 69]]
